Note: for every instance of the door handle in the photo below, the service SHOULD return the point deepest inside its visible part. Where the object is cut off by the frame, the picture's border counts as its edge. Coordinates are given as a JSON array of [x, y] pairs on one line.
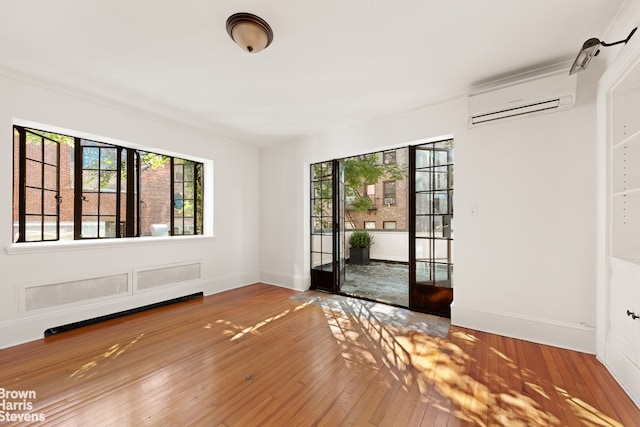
[[632, 315]]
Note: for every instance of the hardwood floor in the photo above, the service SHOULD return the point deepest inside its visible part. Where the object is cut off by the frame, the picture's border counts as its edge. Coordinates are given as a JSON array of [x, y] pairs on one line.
[[253, 356]]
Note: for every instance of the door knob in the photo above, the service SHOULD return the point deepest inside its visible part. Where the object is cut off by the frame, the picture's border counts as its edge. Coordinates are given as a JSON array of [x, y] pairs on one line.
[[632, 315]]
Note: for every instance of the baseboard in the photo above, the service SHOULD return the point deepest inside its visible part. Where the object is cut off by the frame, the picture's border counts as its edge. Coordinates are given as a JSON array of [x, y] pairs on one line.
[[624, 371], [543, 331], [289, 281]]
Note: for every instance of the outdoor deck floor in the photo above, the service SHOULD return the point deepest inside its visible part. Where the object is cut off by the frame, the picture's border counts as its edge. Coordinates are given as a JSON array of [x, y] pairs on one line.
[[379, 281]]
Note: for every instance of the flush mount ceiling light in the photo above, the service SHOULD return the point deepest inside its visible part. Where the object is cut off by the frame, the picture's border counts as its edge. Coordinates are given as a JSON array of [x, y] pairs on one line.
[[250, 32], [591, 48]]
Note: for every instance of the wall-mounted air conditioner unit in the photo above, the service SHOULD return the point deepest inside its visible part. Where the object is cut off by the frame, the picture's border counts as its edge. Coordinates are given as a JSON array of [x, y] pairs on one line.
[[534, 95]]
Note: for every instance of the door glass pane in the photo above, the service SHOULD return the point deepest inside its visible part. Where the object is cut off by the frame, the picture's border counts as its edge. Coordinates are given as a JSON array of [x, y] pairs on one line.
[[424, 203], [327, 243], [316, 259], [436, 222], [423, 159], [423, 225], [327, 261], [316, 224], [325, 192], [440, 203], [423, 272], [316, 243], [423, 180], [440, 157], [441, 178], [327, 224], [441, 248], [423, 248]]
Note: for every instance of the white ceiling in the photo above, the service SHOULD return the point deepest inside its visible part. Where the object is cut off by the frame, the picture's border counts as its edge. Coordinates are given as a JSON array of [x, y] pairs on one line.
[[333, 63]]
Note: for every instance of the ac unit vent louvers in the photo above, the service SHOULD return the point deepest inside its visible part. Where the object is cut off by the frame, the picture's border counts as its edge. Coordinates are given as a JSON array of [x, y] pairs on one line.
[[518, 111], [537, 95]]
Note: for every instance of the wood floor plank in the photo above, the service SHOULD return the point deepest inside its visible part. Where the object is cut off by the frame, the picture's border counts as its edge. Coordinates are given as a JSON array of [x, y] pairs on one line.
[[254, 356]]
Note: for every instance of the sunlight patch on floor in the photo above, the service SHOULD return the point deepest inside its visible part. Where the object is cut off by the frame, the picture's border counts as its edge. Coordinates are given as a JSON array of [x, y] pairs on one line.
[[238, 331], [589, 414], [112, 352]]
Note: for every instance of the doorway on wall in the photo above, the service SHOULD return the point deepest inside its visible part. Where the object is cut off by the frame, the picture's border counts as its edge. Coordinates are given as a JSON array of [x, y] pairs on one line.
[[402, 199]]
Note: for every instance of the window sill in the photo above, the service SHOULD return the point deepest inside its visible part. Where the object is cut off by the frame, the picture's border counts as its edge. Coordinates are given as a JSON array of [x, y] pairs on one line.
[[75, 245]]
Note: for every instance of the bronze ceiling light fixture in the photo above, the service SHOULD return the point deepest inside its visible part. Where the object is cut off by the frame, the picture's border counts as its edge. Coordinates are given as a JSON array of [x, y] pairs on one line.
[[590, 49], [250, 32]]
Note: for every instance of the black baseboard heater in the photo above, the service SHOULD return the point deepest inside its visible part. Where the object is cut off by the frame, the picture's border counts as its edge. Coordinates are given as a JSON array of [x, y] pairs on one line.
[[80, 324]]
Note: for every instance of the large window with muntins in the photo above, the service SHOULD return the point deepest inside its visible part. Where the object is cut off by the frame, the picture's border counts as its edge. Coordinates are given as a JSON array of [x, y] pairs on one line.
[[68, 188]]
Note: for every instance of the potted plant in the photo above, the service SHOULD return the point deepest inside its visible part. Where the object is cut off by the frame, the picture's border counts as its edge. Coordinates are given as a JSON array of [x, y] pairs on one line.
[[360, 242]]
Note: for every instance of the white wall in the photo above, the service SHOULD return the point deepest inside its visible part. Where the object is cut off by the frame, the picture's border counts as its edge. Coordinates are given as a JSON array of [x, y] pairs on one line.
[[229, 259], [387, 245], [525, 264]]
